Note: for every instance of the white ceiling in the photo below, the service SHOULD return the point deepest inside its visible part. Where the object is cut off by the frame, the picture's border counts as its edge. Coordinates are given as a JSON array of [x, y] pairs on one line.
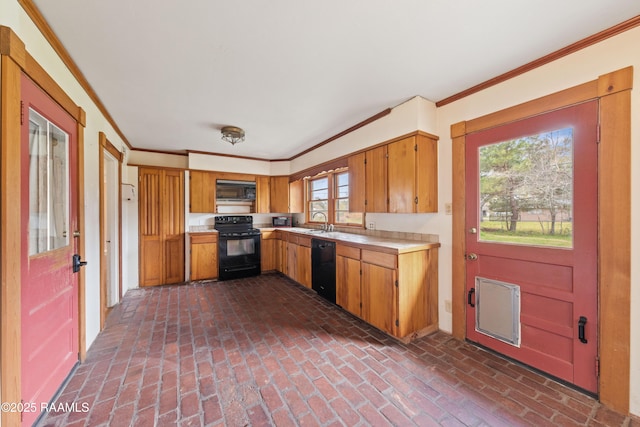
[[293, 73]]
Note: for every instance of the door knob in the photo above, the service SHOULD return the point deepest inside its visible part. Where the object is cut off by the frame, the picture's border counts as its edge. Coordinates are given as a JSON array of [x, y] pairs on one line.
[[472, 256], [473, 230], [77, 263]]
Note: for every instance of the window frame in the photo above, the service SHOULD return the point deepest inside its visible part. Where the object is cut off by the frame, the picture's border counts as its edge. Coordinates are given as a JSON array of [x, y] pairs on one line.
[[332, 199]]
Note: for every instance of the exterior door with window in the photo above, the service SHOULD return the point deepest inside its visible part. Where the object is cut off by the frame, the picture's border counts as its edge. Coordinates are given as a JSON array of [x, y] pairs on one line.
[[49, 293], [532, 242]]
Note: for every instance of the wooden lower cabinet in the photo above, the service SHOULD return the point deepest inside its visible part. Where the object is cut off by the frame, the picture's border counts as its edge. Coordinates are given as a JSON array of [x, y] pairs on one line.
[[268, 251], [299, 259], [397, 294], [348, 292], [204, 256], [291, 264], [379, 297], [303, 267], [280, 248]]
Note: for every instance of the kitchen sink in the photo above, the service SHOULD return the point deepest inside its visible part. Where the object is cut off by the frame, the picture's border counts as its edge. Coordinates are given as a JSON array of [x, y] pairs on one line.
[[314, 231]]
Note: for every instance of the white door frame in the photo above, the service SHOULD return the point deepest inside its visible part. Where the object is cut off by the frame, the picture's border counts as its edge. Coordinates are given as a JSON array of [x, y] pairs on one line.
[[110, 172]]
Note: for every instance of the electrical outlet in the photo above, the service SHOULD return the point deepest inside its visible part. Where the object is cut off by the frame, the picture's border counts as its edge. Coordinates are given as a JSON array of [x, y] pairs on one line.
[[372, 226], [447, 305], [448, 208]]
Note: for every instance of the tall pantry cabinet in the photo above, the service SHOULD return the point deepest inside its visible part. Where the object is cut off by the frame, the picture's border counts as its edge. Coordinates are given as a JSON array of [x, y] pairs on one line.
[[161, 226]]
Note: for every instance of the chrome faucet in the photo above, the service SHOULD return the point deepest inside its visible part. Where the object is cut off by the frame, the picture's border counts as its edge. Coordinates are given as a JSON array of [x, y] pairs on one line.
[[325, 226]]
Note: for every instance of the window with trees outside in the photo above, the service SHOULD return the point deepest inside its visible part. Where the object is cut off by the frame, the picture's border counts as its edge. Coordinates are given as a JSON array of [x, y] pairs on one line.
[[328, 200], [526, 190]]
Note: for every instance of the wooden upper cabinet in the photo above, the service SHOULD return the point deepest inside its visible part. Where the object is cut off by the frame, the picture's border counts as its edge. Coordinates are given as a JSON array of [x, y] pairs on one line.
[[412, 174], [376, 179], [263, 196], [427, 174], [402, 175], [356, 164], [202, 192], [279, 194], [296, 196]]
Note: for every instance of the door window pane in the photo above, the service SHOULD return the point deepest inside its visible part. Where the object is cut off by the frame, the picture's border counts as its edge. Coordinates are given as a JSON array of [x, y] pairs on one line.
[[48, 185], [526, 190]]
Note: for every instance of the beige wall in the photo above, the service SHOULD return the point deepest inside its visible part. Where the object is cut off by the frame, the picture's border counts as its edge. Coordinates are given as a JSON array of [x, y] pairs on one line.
[[612, 54]]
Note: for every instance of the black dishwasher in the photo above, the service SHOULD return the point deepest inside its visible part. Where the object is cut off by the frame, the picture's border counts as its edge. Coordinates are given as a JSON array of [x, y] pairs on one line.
[[323, 268]]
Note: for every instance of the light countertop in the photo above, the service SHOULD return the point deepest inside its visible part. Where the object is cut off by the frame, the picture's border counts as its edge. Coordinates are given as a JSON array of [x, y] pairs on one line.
[[382, 244]]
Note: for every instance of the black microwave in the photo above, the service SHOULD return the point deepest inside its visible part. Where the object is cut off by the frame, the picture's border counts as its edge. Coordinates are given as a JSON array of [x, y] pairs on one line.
[[282, 221]]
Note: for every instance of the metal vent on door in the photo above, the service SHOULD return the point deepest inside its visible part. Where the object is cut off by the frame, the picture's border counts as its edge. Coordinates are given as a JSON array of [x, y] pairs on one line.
[[498, 310]]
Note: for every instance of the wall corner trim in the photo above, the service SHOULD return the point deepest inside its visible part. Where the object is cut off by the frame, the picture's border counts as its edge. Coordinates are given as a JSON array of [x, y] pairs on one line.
[[616, 81], [458, 129], [12, 46]]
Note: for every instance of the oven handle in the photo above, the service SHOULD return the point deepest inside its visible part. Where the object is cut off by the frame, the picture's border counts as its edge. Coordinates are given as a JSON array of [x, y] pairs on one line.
[[246, 267]]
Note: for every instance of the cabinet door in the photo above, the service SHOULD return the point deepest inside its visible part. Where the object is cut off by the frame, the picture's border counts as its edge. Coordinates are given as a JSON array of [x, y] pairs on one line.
[[348, 284], [376, 180], [303, 265], [204, 259], [401, 175], [282, 256], [427, 174], [378, 297], [263, 196], [279, 194], [161, 226], [173, 225], [357, 181], [296, 196], [149, 217], [292, 263], [202, 192], [417, 291], [267, 254]]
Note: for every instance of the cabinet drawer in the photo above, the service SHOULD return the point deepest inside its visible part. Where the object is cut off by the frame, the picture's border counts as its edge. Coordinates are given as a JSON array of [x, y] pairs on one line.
[[304, 241], [348, 251], [268, 234], [292, 238], [380, 258], [204, 238]]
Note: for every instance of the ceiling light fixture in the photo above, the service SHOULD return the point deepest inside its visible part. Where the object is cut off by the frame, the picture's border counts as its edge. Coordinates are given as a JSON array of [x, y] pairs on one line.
[[232, 134]]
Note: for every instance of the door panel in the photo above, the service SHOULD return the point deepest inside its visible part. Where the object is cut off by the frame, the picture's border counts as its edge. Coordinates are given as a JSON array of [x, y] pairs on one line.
[[161, 226], [357, 182], [402, 178], [378, 297], [376, 180], [348, 284], [49, 290], [151, 252], [550, 250]]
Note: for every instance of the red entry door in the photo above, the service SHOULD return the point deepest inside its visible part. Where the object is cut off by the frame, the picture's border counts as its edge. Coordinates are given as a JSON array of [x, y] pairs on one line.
[[49, 294], [532, 242]]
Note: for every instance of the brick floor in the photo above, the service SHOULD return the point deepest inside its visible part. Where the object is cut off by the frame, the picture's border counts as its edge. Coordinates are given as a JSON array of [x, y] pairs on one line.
[[265, 351]]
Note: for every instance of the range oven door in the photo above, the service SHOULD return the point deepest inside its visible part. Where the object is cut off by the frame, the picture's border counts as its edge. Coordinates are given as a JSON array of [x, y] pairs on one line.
[[238, 257]]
